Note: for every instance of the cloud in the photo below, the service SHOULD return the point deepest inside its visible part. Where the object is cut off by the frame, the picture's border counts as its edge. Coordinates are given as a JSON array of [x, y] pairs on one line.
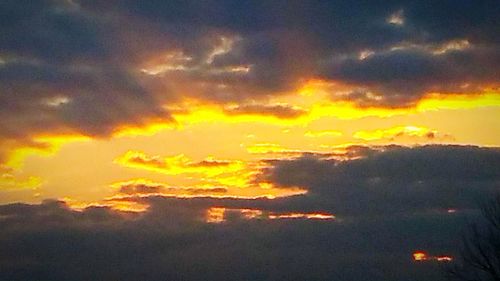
[[179, 164], [76, 70], [382, 180], [397, 179], [383, 204], [172, 240], [277, 149], [93, 67], [53, 31], [145, 187], [402, 133], [279, 111], [35, 91], [403, 75], [413, 55], [139, 188]]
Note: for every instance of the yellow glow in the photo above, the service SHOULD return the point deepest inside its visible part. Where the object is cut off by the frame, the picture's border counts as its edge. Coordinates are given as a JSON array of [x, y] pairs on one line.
[[320, 105], [215, 215], [118, 205], [11, 182], [325, 133], [179, 164], [200, 113], [411, 131], [263, 148], [45, 145], [435, 102], [200, 133], [204, 191], [127, 206], [312, 97], [422, 256], [208, 171], [149, 129], [251, 213], [419, 256]]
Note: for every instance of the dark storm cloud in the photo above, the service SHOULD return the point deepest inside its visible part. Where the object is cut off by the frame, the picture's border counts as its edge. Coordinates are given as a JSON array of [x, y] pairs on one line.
[[49, 30], [403, 76], [399, 179], [37, 97], [170, 242], [89, 60], [286, 41], [58, 75]]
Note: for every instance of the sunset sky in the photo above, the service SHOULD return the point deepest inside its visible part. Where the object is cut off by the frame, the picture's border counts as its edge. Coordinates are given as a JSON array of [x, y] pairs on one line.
[[244, 140]]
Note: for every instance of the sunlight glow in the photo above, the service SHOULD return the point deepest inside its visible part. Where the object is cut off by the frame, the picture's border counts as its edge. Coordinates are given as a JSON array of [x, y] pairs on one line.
[[391, 133], [215, 215], [420, 256]]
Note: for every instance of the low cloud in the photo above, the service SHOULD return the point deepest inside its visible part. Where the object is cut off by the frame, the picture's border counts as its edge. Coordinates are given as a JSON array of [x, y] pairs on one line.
[[172, 240], [397, 179], [389, 203], [145, 187]]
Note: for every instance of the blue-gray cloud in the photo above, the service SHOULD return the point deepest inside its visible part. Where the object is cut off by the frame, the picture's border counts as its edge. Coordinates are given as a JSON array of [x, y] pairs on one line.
[[79, 65], [398, 179], [388, 204]]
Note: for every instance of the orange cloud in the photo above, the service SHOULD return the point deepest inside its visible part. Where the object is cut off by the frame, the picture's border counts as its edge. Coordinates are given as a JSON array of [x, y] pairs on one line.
[[178, 164], [402, 133], [146, 187], [312, 216], [218, 215]]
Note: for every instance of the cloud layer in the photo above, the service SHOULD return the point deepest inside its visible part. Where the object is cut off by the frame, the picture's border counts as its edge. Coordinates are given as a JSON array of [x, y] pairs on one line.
[[51, 242], [398, 179], [388, 203], [77, 69], [93, 68]]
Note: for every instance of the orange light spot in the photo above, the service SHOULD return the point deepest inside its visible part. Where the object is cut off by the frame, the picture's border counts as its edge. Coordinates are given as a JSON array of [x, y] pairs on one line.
[[320, 216], [215, 215], [444, 258], [314, 216], [250, 213], [422, 256], [419, 256], [128, 206]]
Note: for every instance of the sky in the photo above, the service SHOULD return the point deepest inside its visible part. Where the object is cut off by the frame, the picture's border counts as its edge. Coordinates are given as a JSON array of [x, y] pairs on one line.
[[244, 140]]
